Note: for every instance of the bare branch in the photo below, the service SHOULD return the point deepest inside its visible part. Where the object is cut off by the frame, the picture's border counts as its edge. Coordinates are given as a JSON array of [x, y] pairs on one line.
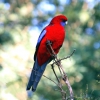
[[51, 80], [68, 56], [62, 72]]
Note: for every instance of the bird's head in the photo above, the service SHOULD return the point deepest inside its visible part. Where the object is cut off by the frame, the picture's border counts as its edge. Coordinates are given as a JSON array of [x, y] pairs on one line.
[[60, 19]]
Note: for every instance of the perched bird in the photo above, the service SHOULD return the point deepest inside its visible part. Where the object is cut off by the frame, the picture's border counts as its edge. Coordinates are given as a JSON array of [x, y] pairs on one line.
[[55, 33]]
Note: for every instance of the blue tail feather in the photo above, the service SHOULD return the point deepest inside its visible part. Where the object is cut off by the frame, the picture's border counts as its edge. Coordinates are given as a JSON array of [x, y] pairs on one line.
[[36, 75]]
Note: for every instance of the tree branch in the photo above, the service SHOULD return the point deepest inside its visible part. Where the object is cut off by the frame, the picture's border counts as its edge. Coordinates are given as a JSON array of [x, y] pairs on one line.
[[62, 72]]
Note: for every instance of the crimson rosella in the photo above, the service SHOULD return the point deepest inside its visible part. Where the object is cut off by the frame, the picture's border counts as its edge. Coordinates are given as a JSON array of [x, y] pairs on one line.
[[55, 33]]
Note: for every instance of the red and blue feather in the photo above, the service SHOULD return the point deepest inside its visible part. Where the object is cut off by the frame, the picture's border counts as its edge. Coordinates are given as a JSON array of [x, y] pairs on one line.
[[55, 33]]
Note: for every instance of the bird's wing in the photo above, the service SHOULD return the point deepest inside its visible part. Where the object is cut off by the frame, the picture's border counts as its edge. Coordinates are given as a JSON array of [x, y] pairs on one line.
[[39, 41]]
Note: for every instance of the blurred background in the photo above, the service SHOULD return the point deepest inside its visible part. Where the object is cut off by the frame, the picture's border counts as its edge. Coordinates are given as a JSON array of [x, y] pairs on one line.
[[21, 22]]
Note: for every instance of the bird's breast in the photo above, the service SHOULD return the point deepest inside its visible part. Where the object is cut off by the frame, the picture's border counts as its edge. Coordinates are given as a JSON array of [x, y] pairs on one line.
[[56, 36]]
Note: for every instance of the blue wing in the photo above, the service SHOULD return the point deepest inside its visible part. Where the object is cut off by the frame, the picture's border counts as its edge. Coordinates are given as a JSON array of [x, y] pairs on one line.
[[41, 36], [38, 42]]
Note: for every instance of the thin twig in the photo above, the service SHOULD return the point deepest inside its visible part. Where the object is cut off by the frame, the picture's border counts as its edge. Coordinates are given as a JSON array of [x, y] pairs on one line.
[[58, 60], [68, 56], [62, 72], [55, 73], [59, 85], [50, 80]]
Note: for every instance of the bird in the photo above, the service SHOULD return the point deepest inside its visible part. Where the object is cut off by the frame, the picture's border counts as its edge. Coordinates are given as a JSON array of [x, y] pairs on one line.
[[55, 33]]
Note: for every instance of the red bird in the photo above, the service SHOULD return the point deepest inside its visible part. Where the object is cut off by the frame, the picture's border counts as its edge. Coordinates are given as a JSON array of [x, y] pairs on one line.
[[55, 33]]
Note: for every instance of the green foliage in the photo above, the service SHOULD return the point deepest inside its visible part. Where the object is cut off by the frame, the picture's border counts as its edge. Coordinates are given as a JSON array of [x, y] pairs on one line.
[[5, 38]]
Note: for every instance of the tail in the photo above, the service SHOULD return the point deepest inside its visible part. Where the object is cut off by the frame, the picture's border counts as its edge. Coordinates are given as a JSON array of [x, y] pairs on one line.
[[36, 75]]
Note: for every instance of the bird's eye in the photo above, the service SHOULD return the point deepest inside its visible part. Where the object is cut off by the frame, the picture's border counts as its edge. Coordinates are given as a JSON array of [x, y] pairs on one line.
[[63, 21]]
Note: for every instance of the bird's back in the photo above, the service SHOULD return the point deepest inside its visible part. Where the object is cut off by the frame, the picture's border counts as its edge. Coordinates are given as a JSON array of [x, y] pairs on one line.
[[54, 33]]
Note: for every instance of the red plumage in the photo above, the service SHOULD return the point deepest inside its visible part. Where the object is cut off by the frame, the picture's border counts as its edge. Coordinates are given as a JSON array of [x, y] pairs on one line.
[[55, 32]]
